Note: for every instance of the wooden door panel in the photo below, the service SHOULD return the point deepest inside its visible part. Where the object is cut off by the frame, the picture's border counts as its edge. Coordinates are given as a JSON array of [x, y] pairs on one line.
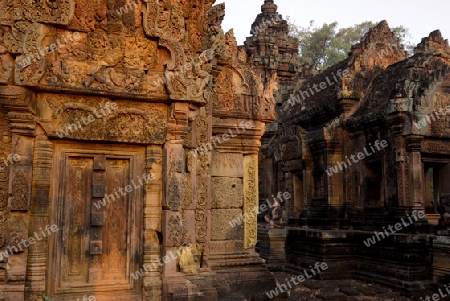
[[115, 245], [98, 247], [74, 262]]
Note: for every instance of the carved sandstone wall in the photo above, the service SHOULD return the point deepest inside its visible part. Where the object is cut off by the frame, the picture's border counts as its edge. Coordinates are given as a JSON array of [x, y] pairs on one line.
[[93, 96]]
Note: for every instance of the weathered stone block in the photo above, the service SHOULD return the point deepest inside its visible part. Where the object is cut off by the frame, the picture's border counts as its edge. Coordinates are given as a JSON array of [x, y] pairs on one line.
[[227, 193], [188, 227], [226, 224], [223, 247], [227, 165], [171, 228], [174, 158], [174, 191]]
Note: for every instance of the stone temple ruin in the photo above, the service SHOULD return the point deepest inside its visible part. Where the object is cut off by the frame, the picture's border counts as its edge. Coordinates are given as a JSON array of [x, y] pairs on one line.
[[363, 147], [138, 142]]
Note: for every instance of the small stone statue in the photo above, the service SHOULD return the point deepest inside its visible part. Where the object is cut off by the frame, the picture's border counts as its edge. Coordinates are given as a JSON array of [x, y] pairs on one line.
[[274, 217]]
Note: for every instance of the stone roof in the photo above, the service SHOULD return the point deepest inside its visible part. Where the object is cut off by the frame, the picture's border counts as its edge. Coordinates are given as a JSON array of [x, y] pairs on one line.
[[378, 49], [410, 79]]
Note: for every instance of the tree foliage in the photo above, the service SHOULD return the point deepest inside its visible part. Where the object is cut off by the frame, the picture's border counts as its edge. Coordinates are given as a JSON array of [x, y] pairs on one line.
[[326, 45]]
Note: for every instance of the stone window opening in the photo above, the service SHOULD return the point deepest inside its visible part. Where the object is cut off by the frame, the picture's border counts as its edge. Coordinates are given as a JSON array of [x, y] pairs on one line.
[[372, 184], [436, 188]]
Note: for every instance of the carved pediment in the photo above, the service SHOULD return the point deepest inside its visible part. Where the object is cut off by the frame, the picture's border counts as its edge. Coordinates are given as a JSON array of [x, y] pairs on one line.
[[166, 21], [240, 93], [189, 85], [231, 94]]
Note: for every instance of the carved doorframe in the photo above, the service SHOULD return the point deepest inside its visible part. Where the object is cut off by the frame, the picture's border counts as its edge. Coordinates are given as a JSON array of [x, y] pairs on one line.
[[135, 155], [43, 158]]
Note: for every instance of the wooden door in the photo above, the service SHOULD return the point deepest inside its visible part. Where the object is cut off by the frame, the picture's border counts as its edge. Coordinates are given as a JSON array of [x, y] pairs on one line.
[[98, 209]]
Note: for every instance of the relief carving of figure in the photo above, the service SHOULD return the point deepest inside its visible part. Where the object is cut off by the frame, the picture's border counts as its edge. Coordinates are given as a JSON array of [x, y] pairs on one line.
[[202, 83], [188, 85], [266, 103], [126, 79], [72, 46], [64, 74], [109, 78]]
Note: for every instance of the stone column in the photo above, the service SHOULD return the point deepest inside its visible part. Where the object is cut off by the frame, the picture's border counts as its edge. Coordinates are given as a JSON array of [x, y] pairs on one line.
[[21, 117], [402, 174], [334, 155], [415, 167], [40, 215], [308, 182], [178, 215], [152, 282], [396, 121]]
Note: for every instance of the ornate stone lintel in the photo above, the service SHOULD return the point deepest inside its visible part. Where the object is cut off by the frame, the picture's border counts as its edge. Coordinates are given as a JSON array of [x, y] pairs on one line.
[[99, 119], [435, 147]]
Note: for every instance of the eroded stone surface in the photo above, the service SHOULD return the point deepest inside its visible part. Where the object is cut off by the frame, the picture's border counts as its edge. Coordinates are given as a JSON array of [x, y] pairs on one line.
[[221, 229], [227, 192], [108, 103]]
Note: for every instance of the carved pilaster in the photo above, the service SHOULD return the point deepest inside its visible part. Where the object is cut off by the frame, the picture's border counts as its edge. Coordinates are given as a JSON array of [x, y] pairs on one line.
[[415, 173], [152, 282], [290, 204], [39, 218], [5, 149], [335, 188], [250, 200], [307, 176], [402, 159], [397, 126], [203, 131], [16, 107]]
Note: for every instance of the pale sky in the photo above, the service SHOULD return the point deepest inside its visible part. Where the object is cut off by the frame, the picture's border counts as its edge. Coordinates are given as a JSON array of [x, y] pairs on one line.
[[420, 16]]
